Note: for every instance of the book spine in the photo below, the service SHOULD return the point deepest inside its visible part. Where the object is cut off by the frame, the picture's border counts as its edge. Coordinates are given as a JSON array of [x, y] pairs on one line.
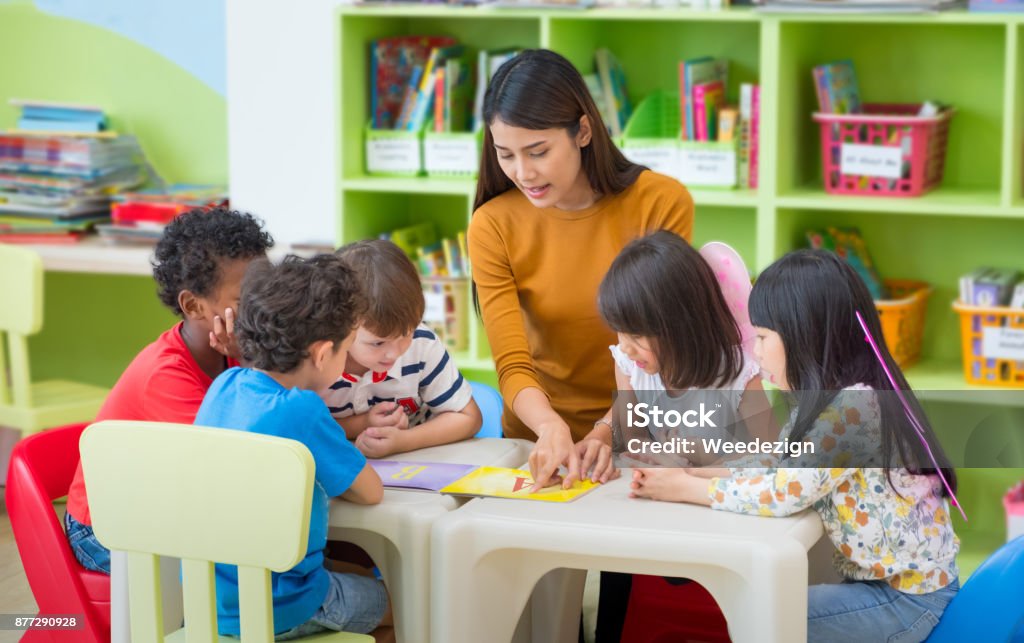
[[440, 98], [688, 88], [821, 88], [409, 99], [45, 125], [682, 100], [700, 113], [377, 121], [62, 114], [755, 133], [727, 119]]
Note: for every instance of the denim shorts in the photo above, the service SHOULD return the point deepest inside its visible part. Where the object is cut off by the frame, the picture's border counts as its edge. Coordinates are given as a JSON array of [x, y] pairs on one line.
[[353, 604], [89, 552], [874, 611]]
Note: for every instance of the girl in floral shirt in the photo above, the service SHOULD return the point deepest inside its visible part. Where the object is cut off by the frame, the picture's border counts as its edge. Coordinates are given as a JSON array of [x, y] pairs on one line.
[[889, 520]]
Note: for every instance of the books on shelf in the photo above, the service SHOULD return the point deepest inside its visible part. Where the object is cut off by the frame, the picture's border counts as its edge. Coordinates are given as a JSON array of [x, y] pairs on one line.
[[694, 72], [990, 287], [487, 63], [617, 108], [392, 64], [848, 244], [837, 89]]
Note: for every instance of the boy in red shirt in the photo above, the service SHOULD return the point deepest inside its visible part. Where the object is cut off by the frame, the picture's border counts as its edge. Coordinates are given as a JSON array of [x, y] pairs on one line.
[[198, 266]]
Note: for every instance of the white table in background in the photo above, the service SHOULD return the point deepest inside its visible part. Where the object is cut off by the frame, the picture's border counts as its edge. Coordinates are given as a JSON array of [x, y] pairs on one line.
[[396, 533], [488, 555]]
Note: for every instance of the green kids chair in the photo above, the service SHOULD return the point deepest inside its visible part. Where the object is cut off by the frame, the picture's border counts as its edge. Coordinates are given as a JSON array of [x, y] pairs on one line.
[[26, 405], [203, 495]]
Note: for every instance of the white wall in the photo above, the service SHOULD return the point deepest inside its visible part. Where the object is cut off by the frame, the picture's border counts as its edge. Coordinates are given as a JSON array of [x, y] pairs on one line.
[[283, 115]]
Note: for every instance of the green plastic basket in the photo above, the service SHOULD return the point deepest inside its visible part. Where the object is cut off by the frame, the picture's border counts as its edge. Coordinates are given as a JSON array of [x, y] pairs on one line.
[[653, 138], [452, 154], [393, 152]]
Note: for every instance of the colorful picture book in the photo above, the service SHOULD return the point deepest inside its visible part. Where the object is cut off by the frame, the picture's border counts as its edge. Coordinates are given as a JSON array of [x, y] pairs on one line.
[[425, 476], [501, 482], [836, 87], [472, 480], [848, 244]]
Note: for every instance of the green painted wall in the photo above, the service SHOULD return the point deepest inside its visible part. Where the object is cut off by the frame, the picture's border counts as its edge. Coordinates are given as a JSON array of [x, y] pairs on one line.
[[95, 324]]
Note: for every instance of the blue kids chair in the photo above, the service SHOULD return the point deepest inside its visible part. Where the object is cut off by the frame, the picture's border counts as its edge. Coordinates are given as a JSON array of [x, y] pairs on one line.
[[491, 405], [994, 594]]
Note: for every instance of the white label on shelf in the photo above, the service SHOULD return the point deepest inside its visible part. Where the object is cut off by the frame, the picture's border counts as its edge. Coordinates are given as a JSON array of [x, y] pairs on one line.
[[1002, 343], [707, 167], [393, 155], [660, 158], [871, 160], [450, 155], [434, 311]]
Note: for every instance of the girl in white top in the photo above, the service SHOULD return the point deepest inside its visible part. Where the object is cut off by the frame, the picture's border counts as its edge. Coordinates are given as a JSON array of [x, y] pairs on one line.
[[679, 347]]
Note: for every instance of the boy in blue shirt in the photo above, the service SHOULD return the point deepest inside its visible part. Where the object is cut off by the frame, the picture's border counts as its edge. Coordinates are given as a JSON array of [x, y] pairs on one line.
[[296, 323]]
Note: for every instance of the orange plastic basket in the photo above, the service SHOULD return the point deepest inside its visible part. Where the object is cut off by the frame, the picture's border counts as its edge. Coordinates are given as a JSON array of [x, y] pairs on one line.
[[993, 368], [903, 318]]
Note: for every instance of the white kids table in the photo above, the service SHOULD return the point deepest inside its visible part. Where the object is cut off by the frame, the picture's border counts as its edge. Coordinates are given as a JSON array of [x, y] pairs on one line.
[[488, 555], [395, 533]]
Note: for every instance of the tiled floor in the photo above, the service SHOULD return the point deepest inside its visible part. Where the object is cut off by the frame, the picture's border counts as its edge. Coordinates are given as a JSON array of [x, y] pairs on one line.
[[15, 595]]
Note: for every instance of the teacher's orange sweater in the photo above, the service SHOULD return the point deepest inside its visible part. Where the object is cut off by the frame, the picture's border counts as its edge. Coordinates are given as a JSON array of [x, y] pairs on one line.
[[537, 271]]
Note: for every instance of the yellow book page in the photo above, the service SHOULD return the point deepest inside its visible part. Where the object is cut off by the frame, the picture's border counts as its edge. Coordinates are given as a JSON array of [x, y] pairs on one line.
[[501, 482]]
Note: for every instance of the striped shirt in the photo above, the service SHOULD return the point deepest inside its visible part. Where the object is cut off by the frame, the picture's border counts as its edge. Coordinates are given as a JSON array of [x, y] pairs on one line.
[[424, 380]]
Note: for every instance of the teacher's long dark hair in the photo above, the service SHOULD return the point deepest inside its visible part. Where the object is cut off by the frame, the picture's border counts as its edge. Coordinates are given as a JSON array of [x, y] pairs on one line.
[[539, 89]]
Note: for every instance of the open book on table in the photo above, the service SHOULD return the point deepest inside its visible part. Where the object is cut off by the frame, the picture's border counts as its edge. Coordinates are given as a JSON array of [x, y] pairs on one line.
[[472, 480]]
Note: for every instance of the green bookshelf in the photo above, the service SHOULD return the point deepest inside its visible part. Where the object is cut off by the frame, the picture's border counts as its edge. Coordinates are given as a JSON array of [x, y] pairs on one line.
[[972, 61]]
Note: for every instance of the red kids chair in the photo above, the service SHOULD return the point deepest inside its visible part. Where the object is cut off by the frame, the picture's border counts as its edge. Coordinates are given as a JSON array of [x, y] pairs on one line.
[[41, 469], [678, 611]]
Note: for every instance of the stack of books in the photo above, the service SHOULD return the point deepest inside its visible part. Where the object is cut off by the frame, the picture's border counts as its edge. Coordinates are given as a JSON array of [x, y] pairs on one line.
[[139, 217], [53, 188], [48, 117]]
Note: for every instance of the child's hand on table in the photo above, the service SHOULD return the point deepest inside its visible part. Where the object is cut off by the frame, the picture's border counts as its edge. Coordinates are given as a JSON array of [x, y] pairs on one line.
[[388, 414], [673, 485], [379, 441]]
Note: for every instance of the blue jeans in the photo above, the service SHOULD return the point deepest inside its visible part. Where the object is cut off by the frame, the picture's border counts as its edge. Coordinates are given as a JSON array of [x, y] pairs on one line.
[[873, 611], [353, 604], [89, 552]]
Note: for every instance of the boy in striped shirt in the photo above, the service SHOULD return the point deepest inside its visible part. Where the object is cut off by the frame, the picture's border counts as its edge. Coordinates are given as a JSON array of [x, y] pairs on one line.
[[401, 390]]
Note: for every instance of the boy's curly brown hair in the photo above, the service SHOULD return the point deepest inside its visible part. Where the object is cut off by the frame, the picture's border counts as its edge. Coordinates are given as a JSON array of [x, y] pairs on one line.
[[288, 306]]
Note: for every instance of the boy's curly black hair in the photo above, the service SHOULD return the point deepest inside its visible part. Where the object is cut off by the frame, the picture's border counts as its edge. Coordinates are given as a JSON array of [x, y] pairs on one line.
[[288, 306], [193, 245]]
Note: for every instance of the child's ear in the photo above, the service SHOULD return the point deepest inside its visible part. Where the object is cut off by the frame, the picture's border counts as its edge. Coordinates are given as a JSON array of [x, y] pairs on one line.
[[191, 305], [321, 352]]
